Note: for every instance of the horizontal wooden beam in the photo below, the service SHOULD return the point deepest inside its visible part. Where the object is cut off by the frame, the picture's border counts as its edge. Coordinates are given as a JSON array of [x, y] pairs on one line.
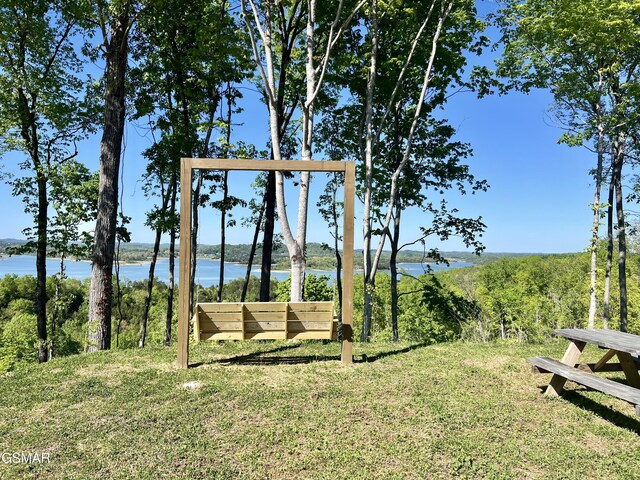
[[611, 339], [586, 367], [266, 165], [591, 380]]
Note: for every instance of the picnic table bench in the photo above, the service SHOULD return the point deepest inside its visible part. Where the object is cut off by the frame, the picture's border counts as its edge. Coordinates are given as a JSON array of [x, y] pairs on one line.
[[624, 346]]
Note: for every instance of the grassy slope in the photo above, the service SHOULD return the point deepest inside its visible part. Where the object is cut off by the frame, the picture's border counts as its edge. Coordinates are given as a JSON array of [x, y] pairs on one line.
[[444, 411]]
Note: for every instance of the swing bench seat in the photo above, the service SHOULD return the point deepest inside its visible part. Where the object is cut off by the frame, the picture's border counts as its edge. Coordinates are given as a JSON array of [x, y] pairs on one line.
[[265, 321]]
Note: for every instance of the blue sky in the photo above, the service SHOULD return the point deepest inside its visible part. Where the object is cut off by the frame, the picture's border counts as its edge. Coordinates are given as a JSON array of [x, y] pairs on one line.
[[541, 192], [539, 200]]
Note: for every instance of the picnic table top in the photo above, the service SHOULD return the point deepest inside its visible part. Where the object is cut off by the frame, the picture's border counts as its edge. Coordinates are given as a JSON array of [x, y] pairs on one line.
[[612, 339]]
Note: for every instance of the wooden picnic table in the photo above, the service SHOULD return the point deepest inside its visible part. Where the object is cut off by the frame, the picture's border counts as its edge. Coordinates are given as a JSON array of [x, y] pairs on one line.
[[624, 346]]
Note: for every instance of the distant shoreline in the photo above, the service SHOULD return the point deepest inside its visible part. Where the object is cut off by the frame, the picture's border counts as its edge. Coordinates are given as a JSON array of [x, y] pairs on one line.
[[134, 253], [57, 259], [148, 262], [207, 274]]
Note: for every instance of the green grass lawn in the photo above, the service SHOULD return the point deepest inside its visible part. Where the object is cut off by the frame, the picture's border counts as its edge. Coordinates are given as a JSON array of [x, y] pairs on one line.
[[401, 411]]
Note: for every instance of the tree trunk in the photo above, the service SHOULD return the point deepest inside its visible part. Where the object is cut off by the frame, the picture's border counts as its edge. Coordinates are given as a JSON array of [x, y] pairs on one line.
[[152, 268], [606, 310], [338, 279], [296, 255], [593, 304], [99, 325], [278, 123], [367, 314], [172, 262], [298, 267], [225, 197], [196, 196], [29, 134], [195, 205], [299, 257], [252, 253], [55, 317], [336, 249], [393, 271], [394, 236], [393, 265], [297, 248], [369, 274], [622, 241], [147, 300], [267, 240], [118, 296], [41, 267], [223, 231]]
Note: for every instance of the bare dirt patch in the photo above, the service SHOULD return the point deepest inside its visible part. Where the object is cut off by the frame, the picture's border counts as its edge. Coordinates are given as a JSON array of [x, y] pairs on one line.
[[192, 385]]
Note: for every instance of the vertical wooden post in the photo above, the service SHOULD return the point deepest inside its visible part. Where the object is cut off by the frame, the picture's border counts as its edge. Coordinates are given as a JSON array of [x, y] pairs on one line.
[[347, 263], [630, 369], [187, 166], [570, 358], [185, 262]]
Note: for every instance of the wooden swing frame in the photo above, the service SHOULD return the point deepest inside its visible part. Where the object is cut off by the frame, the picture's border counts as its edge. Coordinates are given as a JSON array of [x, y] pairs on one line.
[[186, 211]]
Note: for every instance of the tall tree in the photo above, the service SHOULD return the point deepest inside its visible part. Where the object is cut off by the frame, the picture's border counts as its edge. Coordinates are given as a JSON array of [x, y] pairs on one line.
[[399, 43], [188, 62], [586, 53], [257, 215], [42, 110], [158, 218], [325, 30], [286, 32], [331, 210], [434, 170], [73, 196], [115, 20], [606, 302], [228, 202]]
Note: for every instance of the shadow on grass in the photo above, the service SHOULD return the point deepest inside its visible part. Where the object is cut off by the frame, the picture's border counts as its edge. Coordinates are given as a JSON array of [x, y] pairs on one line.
[[619, 419], [379, 356], [279, 360], [254, 358], [263, 357]]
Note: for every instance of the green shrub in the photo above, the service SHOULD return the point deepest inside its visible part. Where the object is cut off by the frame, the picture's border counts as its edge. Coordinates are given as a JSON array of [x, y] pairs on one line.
[[317, 288], [19, 341]]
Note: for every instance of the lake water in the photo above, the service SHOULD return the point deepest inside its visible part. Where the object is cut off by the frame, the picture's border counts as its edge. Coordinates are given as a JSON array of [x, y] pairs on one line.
[[207, 272]]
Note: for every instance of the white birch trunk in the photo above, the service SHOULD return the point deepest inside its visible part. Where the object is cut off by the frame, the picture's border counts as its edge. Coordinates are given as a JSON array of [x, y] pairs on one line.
[[297, 248], [371, 266], [267, 73], [606, 313], [444, 13], [593, 304], [369, 278], [295, 245]]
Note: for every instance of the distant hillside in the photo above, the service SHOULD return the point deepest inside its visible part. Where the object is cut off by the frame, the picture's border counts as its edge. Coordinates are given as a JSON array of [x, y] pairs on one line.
[[318, 256]]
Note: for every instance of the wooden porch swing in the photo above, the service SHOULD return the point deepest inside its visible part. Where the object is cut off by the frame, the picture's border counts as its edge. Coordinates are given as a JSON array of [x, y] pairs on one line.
[[272, 320]]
